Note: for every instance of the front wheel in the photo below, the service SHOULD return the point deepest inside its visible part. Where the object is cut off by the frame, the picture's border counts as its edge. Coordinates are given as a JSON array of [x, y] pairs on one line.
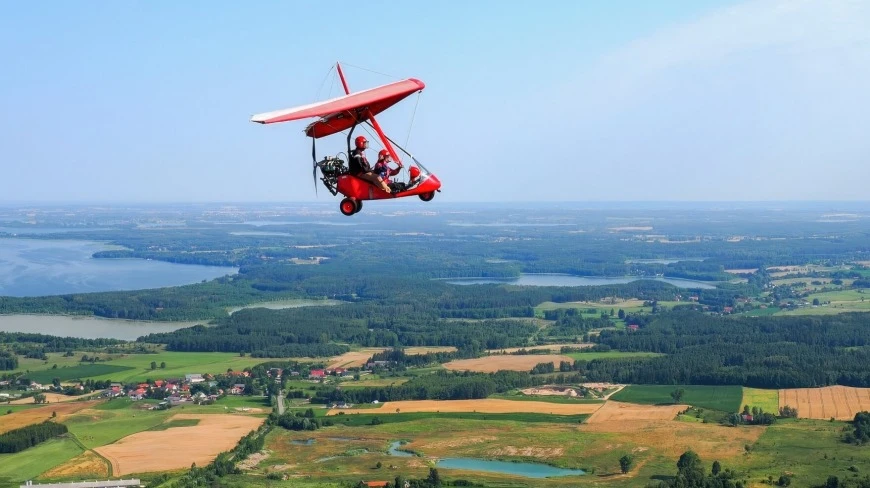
[[348, 207], [427, 196]]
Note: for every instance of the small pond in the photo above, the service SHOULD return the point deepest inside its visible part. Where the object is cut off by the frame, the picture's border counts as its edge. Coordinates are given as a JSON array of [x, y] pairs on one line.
[[528, 470]]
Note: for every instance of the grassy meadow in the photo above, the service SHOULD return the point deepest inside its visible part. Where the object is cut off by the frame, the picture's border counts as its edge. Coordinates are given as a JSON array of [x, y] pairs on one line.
[[25, 465], [589, 356], [722, 398], [767, 400]]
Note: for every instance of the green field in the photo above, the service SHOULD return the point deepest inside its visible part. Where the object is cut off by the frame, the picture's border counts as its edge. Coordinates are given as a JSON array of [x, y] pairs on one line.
[[176, 423], [811, 449], [359, 419], [179, 364], [842, 296], [25, 465], [767, 400], [78, 372], [589, 356], [723, 398], [564, 399], [244, 401], [761, 312], [95, 429], [136, 367]]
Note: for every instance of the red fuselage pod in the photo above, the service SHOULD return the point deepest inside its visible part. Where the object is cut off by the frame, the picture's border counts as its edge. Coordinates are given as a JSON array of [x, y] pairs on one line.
[[359, 189]]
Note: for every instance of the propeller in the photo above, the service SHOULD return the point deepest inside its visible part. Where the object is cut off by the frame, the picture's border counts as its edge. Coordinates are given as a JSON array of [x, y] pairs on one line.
[[314, 176]]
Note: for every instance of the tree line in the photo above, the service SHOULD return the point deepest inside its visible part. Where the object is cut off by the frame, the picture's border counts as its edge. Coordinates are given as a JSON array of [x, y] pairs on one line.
[[26, 437], [441, 385]]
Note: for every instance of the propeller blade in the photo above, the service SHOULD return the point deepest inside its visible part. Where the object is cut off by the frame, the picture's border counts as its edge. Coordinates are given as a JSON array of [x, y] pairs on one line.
[[314, 177]]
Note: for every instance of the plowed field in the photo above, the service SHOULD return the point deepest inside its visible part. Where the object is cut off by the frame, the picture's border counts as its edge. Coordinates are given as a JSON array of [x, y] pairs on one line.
[[491, 364]]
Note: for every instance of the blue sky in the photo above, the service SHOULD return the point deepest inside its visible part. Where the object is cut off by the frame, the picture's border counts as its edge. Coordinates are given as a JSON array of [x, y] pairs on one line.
[[525, 101]]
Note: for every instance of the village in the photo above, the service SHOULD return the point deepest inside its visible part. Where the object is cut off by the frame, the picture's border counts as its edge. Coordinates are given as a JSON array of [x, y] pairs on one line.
[[193, 388]]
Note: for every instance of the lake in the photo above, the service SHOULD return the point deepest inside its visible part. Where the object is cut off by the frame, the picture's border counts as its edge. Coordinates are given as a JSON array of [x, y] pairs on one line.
[[570, 280], [34, 267], [86, 327]]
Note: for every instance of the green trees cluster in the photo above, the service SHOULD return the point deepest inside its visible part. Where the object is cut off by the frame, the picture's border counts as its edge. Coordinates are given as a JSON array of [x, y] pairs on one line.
[[23, 342], [691, 474], [763, 352], [20, 439], [861, 434], [441, 385], [8, 361], [301, 421]]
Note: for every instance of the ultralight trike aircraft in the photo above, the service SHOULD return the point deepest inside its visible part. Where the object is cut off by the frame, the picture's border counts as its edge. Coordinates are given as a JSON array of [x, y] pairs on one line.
[[346, 112]]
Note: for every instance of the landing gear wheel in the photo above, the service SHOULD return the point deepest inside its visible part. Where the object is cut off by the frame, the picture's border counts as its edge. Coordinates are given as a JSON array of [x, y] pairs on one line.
[[427, 196], [348, 207], [358, 205]]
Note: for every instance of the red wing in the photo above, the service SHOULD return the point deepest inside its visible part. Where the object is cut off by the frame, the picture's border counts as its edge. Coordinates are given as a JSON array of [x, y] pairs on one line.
[[338, 114]]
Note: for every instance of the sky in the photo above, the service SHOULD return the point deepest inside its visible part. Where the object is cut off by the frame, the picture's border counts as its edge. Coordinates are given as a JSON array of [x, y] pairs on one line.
[[689, 100]]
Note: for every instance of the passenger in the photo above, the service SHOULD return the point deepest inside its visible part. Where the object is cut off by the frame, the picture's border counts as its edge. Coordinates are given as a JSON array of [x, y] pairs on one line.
[[414, 172], [359, 165], [382, 167]]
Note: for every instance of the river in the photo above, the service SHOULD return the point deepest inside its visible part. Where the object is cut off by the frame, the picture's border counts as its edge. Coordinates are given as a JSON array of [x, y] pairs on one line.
[[86, 327]]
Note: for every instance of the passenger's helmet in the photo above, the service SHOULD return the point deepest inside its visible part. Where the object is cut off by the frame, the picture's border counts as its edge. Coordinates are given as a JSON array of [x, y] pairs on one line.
[[360, 141], [414, 172], [383, 154]]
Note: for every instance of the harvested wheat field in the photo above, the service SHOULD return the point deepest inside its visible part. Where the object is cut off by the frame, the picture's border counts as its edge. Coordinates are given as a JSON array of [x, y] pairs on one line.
[[40, 414], [549, 347], [87, 465], [420, 350], [618, 411], [49, 397], [839, 402], [491, 364], [178, 447], [672, 437], [354, 359], [487, 405]]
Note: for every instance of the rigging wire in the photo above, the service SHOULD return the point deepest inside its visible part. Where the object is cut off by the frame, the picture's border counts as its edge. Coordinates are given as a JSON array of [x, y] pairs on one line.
[[319, 90], [371, 71], [411, 125]]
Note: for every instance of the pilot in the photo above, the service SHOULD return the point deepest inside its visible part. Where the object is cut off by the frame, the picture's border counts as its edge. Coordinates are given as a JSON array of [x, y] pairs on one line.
[[359, 165]]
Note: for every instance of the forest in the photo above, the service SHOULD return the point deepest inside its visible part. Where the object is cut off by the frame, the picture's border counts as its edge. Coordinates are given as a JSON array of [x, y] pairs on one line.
[[763, 352]]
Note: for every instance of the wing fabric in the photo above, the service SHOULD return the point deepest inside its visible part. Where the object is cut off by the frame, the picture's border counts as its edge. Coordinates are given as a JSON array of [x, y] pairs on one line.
[[340, 113]]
